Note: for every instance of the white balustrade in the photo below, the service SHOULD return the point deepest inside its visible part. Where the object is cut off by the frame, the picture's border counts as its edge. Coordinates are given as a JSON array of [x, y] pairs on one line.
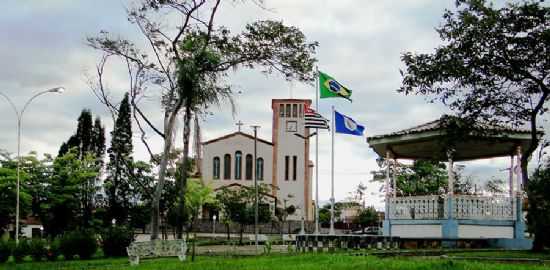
[[415, 207], [487, 208], [464, 207]]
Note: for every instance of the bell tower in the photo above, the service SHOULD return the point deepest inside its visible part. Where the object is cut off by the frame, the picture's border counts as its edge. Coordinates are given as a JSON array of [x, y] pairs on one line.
[[291, 165]]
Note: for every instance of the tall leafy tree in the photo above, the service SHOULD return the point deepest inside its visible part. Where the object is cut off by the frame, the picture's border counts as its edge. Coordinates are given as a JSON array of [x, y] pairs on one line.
[[66, 205], [237, 205], [89, 137], [188, 66], [538, 214], [493, 65], [118, 183], [367, 217]]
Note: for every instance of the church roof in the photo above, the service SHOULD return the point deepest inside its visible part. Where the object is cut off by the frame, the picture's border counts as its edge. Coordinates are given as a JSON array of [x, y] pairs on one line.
[[235, 134]]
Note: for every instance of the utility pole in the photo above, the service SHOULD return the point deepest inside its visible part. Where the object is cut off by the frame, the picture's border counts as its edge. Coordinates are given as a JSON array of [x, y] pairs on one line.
[[19, 114], [256, 185]]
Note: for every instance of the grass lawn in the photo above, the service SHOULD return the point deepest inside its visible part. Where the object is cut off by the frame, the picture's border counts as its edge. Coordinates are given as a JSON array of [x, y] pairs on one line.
[[502, 254], [276, 262]]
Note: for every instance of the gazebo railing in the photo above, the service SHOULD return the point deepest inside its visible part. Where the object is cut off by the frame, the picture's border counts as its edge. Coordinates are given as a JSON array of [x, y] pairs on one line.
[[416, 207], [463, 207], [483, 207]]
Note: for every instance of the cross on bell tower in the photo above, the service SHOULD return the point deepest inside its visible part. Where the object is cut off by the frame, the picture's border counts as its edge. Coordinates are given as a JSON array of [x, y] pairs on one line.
[[239, 125]]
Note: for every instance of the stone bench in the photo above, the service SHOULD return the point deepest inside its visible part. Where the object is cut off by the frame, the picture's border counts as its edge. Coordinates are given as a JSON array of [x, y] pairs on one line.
[[155, 249]]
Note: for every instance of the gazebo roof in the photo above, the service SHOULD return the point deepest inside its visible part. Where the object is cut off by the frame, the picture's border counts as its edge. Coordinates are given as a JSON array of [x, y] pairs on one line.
[[427, 141]]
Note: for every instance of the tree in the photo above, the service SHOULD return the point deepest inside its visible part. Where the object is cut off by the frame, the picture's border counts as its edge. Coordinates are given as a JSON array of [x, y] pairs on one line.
[[493, 65], [495, 186], [538, 214], [282, 213], [66, 204], [189, 65], [358, 195], [368, 217], [8, 182], [237, 205], [118, 183], [422, 178], [88, 138], [324, 213]]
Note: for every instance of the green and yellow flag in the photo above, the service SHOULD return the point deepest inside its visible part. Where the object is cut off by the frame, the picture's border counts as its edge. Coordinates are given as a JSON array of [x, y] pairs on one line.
[[329, 87]]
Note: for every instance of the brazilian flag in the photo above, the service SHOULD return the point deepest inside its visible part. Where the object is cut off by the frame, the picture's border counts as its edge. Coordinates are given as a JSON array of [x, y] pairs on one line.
[[329, 87]]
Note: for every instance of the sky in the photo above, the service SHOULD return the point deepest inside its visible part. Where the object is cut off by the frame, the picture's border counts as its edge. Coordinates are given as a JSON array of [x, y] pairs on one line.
[[43, 46]]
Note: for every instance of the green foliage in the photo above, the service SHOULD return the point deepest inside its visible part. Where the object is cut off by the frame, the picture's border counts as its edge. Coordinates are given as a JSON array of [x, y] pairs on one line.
[[139, 216], [237, 205], [489, 65], [5, 251], [367, 217], [82, 243], [54, 249], [37, 249], [118, 185], [21, 250], [423, 178], [69, 193], [324, 213], [115, 240], [538, 214]]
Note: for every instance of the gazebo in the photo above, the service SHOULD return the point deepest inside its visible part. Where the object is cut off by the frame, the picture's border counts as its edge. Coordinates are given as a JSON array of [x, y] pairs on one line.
[[451, 217]]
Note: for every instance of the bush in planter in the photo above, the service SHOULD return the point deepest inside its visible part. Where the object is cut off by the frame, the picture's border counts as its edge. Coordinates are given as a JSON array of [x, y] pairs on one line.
[[81, 243], [5, 251], [53, 250], [21, 250], [115, 240], [37, 249]]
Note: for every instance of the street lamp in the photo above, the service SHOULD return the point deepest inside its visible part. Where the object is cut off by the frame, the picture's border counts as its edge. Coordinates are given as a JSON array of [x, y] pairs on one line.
[[255, 128], [19, 115], [214, 226]]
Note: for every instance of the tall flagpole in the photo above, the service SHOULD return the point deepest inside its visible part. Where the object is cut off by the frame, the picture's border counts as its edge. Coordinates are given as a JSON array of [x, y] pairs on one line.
[[331, 232], [317, 156]]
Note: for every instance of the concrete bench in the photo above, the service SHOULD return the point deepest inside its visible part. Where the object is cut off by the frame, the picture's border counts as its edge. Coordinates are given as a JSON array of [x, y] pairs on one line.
[[155, 249]]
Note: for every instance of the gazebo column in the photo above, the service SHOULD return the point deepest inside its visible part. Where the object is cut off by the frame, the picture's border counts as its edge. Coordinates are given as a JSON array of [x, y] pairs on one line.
[[519, 228], [387, 188], [449, 226], [511, 176]]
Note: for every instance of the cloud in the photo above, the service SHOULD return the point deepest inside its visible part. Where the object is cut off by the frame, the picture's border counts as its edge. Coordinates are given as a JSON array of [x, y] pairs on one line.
[[43, 45]]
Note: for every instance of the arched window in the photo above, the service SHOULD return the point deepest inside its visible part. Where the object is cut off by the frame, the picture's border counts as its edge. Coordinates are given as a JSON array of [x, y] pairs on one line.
[[260, 169], [248, 166], [238, 165], [227, 166], [216, 168]]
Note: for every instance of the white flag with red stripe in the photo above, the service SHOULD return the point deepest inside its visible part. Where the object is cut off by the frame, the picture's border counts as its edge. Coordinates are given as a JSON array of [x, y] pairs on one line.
[[314, 120]]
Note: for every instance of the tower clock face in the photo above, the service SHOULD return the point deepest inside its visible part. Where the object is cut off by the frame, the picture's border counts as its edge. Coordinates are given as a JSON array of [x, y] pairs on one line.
[[291, 126]]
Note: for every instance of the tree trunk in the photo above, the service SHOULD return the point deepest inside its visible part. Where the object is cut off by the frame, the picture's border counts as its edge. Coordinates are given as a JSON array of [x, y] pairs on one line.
[[170, 121], [183, 184], [228, 231], [241, 234]]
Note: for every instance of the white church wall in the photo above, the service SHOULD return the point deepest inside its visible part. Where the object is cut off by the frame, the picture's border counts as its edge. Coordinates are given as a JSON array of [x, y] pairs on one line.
[[230, 146]]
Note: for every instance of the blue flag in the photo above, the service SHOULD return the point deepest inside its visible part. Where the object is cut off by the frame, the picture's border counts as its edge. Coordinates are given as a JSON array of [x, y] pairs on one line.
[[347, 125]]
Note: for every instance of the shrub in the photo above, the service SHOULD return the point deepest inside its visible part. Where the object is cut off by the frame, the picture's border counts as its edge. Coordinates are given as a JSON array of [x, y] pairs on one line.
[[81, 243], [53, 251], [21, 250], [5, 251], [115, 240], [37, 249]]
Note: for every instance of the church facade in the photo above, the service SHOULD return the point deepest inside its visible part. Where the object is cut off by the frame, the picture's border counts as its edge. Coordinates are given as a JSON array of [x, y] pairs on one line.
[[282, 163]]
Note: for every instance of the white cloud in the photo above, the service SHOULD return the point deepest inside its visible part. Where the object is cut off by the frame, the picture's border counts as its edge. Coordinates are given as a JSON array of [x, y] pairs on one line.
[[360, 44]]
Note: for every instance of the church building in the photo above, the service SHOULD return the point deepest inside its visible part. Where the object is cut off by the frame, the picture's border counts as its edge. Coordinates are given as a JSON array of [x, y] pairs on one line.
[[282, 163]]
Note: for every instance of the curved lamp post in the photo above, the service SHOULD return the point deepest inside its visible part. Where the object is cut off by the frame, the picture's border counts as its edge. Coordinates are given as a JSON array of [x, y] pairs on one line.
[[19, 115]]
